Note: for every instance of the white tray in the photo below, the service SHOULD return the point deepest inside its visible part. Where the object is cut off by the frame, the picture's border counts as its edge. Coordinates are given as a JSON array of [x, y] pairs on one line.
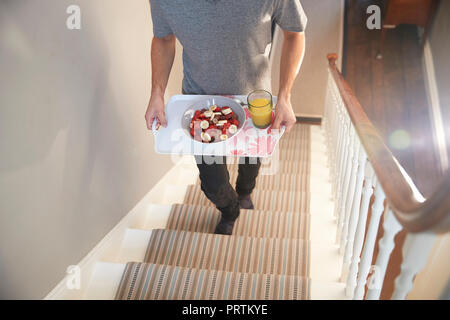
[[249, 142]]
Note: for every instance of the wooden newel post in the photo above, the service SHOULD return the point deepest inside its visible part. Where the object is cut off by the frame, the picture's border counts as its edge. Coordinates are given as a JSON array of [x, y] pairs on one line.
[[332, 58]]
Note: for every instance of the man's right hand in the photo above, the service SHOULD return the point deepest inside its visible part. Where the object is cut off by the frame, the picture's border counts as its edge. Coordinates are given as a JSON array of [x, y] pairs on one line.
[[155, 109]]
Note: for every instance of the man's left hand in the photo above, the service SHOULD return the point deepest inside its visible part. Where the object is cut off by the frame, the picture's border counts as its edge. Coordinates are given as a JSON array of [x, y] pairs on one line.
[[284, 115]]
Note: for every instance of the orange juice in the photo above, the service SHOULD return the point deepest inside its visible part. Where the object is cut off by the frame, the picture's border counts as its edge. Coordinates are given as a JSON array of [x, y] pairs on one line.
[[261, 112]]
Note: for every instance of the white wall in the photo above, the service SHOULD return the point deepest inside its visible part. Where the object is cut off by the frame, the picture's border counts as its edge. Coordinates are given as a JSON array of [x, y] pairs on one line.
[[324, 34], [75, 152]]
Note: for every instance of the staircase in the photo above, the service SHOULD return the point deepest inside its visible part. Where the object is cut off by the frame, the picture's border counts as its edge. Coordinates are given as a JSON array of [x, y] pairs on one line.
[[320, 203], [284, 249]]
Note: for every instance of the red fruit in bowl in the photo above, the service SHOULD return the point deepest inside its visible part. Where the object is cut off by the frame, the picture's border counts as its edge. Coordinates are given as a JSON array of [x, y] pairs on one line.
[[197, 123]]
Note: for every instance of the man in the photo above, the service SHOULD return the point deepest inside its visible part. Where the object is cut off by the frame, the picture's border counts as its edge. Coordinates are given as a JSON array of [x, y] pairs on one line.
[[226, 46]]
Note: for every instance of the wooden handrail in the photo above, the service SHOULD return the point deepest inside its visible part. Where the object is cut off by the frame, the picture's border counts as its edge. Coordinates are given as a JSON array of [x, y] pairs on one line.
[[414, 213]]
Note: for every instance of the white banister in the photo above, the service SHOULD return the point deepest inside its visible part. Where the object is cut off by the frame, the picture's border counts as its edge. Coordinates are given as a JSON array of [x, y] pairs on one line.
[[333, 133], [336, 151], [354, 213], [355, 185], [416, 250], [366, 260], [350, 196], [329, 124], [360, 229], [385, 246], [343, 153], [345, 184]]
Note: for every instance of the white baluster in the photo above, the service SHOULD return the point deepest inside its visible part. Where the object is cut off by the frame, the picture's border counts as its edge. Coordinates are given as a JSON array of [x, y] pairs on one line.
[[341, 138], [343, 147], [416, 250], [327, 117], [360, 230], [342, 152], [331, 143], [335, 142], [344, 187], [350, 193], [341, 171], [336, 136], [338, 152], [366, 259], [385, 246], [354, 215]]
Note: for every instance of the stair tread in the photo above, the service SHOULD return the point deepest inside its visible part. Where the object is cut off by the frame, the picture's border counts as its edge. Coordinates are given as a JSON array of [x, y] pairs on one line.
[[148, 281], [243, 254], [274, 166], [251, 223], [267, 200], [297, 182], [267, 257]]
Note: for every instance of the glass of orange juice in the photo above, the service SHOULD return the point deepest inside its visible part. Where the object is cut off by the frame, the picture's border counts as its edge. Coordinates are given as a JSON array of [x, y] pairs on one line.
[[260, 106]]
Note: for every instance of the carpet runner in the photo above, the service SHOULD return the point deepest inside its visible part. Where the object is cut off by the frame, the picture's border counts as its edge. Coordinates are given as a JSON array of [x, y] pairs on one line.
[[251, 223], [146, 281], [268, 255]]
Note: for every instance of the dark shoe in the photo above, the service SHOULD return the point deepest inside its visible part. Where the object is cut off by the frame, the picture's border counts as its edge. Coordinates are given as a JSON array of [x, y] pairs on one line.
[[245, 202], [225, 227]]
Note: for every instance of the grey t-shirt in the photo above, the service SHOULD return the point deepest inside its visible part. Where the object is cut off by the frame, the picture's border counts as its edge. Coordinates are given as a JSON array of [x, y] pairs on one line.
[[226, 43]]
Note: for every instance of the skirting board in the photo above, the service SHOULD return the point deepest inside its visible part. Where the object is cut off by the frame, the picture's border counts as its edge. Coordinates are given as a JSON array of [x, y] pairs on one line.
[[435, 107]]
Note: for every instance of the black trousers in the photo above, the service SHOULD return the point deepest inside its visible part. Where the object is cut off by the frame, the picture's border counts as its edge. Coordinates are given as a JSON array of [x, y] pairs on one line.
[[215, 182]]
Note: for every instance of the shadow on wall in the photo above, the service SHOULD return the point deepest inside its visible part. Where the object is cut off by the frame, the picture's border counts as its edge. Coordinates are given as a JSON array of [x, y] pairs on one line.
[[71, 155]]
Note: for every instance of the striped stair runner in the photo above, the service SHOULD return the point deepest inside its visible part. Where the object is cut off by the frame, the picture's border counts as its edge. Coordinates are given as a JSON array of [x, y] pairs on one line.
[[278, 167], [268, 200], [146, 281], [235, 254], [286, 182], [267, 257], [251, 223]]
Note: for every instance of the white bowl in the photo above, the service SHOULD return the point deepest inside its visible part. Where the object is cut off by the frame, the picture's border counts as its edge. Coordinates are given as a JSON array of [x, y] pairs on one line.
[[220, 101]]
